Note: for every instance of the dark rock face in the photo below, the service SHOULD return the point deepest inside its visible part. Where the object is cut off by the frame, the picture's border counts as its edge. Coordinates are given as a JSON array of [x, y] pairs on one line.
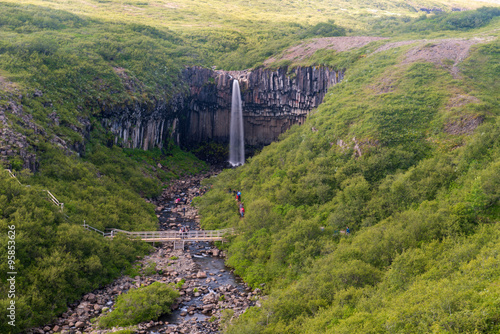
[[273, 100], [143, 125], [16, 152]]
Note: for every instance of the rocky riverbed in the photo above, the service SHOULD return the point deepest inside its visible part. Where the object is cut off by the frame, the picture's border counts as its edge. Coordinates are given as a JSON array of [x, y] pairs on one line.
[[210, 295]]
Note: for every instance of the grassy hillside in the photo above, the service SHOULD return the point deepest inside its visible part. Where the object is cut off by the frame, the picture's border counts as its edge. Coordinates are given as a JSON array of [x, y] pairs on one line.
[[182, 15], [406, 152]]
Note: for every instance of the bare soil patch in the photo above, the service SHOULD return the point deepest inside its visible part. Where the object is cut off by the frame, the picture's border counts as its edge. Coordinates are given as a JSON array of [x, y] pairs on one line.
[[6, 85], [437, 51], [339, 44], [443, 52], [446, 52], [129, 83], [166, 5], [465, 125]]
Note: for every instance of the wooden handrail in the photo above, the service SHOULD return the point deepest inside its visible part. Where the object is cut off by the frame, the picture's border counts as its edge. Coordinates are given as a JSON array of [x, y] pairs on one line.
[[158, 236], [52, 198], [176, 234], [90, 228], [13, 176]]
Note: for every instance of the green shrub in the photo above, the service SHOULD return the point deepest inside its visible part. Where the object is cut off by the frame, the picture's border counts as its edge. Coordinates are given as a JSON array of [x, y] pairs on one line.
[[139, 305]]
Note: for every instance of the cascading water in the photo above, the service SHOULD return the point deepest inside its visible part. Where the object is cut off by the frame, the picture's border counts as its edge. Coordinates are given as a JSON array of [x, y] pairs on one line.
[[236, 136]]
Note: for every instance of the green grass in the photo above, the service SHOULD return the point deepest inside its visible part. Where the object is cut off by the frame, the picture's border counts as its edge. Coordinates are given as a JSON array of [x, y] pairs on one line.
[[195, 15], [57, 259], [174, 162]]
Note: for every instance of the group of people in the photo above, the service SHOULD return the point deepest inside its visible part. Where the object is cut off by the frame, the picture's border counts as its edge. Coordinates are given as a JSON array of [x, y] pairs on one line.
[[238, 199], [242, 210], [183, 231]]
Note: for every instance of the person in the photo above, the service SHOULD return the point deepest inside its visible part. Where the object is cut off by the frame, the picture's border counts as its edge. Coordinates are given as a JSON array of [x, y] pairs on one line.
[[184, 211], [181, 232], [242, 212], [347, 231]]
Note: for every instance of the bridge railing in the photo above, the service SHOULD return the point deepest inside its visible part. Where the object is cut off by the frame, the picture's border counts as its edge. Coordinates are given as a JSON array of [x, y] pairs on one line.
[[90, 228], [54, 200], [175, 234]]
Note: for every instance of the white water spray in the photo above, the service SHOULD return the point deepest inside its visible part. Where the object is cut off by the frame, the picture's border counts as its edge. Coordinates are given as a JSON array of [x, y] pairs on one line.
[[236, 136]]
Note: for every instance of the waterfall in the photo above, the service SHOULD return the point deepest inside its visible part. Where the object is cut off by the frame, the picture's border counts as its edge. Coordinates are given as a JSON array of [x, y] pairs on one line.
[[236, 137]]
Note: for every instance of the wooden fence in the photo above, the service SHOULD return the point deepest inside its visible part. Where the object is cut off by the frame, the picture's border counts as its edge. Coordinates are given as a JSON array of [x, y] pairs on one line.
[[51, 197]]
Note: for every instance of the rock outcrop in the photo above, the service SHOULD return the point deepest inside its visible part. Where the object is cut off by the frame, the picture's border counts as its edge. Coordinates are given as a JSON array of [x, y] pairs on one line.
[[143, 125], [273, 100]]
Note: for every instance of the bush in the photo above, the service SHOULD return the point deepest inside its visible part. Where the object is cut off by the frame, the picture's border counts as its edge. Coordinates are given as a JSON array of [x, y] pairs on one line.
[[139, 305], [325, 29]]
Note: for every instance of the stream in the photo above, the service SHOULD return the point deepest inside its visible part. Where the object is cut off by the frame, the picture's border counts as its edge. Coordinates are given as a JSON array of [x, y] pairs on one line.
[[210, 295]]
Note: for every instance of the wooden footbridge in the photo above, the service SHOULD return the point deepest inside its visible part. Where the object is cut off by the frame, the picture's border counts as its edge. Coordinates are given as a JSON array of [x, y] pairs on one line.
[[168, 236]]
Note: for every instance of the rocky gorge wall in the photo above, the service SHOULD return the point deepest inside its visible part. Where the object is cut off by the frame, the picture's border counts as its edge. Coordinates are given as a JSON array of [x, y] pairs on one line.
[[272, 100]]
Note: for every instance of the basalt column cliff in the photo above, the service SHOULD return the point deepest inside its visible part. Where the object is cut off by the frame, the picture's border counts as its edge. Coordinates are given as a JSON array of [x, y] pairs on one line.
[[272, 102]]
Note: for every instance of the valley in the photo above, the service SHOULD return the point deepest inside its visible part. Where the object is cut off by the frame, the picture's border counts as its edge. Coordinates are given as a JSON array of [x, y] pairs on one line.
[[376, 117]]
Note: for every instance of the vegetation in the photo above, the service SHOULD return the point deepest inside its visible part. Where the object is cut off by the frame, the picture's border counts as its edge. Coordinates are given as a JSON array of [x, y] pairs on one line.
[[140, 305], [174, 162], [441, 21], [56, 259], [421, 201]]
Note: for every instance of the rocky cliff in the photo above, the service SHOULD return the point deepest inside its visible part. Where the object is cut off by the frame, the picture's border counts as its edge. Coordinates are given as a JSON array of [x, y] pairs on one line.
[[273, 100], [143, 125]]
